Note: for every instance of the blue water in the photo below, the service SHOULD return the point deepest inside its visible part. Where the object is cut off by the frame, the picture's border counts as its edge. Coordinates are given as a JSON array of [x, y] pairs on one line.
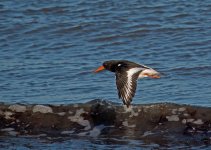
[[48, 49]]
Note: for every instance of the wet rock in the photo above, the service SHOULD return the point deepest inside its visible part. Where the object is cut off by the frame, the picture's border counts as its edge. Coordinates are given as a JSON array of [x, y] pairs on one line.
[[155, 123], [8, 115], [67, 132], [78, 118], [17, 108], [8, 129], [96, 131], [102, 113], [42, 109], [198, 121], [173, 118]]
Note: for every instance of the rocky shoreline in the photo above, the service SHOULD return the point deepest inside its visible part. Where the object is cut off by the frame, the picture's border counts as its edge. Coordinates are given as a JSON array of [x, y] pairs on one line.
[[162, 123]]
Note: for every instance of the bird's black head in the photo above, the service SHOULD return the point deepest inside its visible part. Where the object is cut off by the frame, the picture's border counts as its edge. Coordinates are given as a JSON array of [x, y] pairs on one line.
[[118, 65]]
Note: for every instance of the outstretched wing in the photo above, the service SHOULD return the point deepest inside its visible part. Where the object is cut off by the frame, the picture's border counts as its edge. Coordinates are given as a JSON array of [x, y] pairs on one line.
[[126, 83]]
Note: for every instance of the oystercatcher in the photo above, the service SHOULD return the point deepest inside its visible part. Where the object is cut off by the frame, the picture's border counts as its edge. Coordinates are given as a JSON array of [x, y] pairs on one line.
[[127, 73]]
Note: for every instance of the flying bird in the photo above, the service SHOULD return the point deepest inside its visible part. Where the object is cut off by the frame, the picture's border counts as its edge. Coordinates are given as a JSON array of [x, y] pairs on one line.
[[127, 73]]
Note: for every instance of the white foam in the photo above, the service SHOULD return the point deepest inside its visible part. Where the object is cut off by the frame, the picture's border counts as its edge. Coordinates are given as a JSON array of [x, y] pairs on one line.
[[96, 131], [42, 109], [13, 133], [39, 135], [7, 129], [147, 133], [82, 133]]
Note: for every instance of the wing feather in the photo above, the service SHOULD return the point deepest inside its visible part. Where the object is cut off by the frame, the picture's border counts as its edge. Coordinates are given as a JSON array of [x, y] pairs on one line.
[[126, 84]]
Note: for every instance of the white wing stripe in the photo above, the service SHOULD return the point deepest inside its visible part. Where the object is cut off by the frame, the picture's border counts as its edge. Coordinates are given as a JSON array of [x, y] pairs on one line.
[[130, 73]]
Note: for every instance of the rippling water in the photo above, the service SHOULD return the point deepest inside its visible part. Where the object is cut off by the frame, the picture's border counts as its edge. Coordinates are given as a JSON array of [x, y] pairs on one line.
[[49, 49]]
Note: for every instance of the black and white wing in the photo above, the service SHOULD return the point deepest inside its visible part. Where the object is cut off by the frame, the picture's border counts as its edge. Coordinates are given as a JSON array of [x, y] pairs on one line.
[[126, 83]]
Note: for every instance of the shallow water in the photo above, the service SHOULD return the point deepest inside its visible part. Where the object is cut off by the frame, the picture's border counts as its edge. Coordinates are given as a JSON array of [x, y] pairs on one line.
[[48, 50], [39, 144]]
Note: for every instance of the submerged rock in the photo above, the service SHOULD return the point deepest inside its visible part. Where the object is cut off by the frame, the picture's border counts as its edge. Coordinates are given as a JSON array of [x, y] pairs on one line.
[[162, 123]]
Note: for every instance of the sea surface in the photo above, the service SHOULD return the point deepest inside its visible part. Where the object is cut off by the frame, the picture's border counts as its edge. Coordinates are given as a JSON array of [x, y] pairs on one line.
[[49, 49]]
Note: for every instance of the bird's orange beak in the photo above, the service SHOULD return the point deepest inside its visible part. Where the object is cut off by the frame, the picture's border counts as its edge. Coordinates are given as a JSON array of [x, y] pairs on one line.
[[99, 69]]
